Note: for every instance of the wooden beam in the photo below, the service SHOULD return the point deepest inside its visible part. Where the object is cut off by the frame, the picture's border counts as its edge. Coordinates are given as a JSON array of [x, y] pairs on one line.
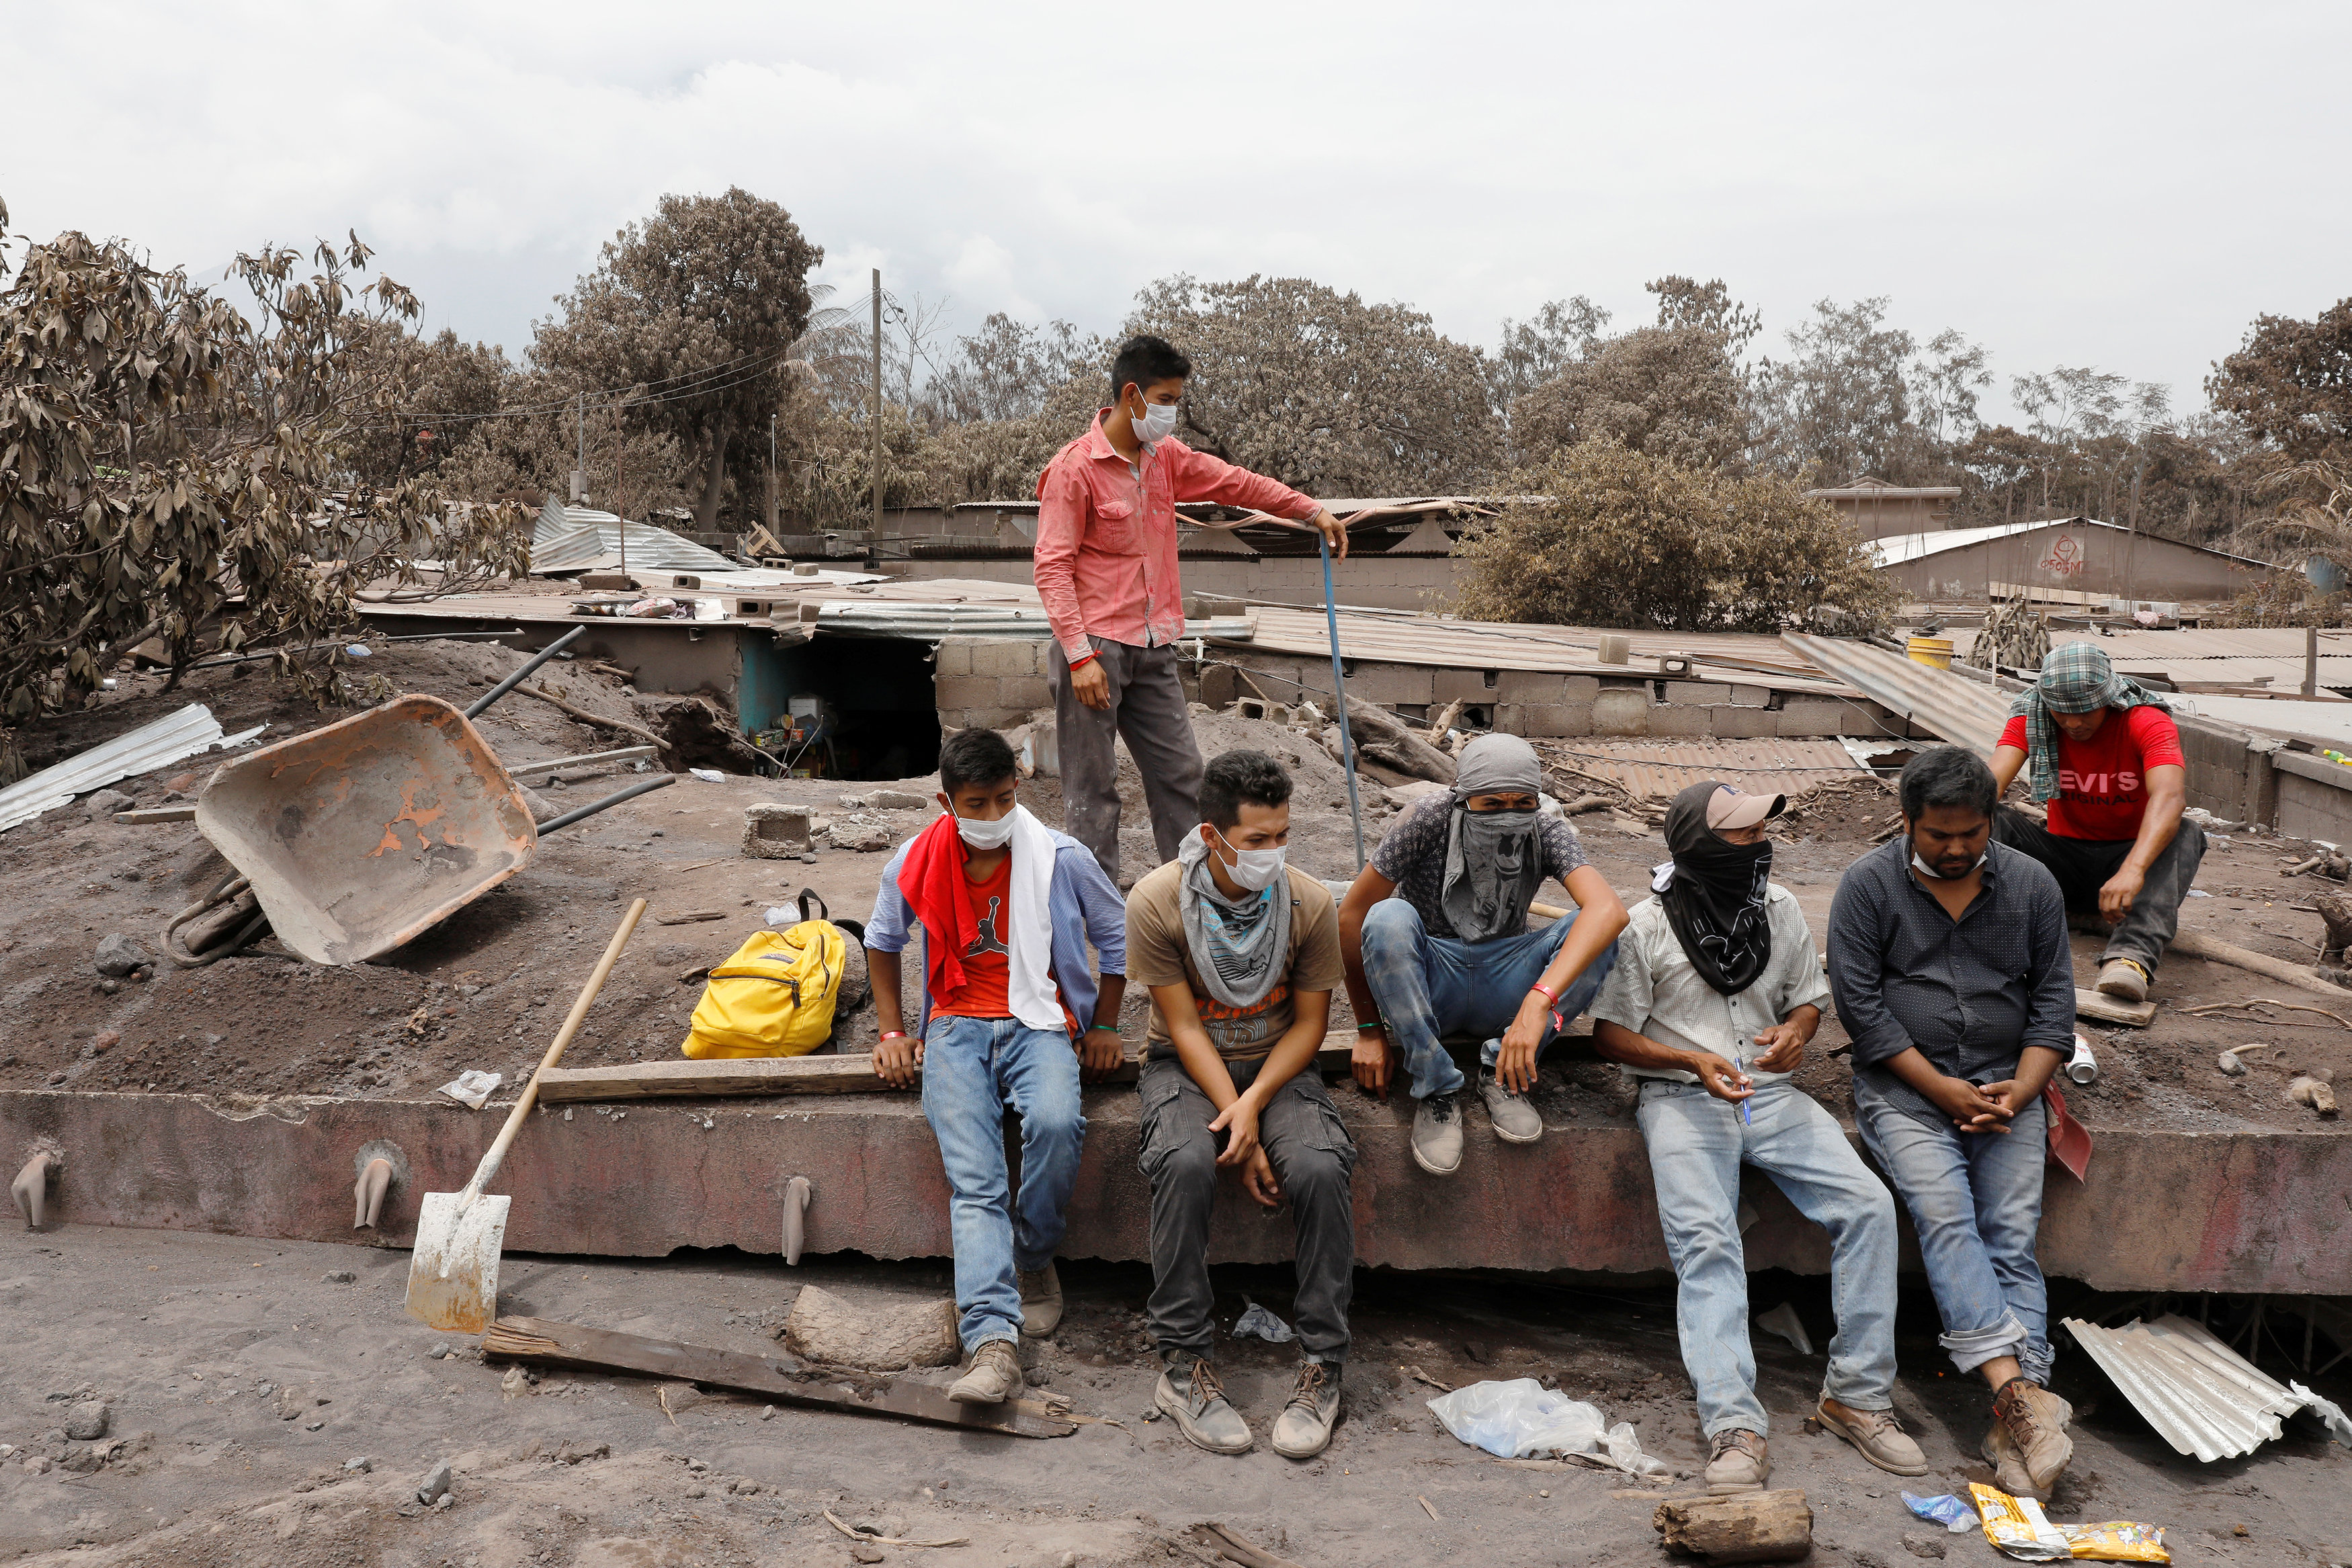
[[2113, 1010], [850, 1074], [158, 814], [787, 1381]]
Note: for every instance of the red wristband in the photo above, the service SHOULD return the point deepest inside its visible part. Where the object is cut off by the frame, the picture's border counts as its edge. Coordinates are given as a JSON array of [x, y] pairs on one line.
[[1080, 658], [1549, 995], [892, 1034]]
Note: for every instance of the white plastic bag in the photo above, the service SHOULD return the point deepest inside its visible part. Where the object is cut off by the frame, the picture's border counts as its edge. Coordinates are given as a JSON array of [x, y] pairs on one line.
[[472, 1087], [709, 775], [1265, 1325], [1523, 1419]]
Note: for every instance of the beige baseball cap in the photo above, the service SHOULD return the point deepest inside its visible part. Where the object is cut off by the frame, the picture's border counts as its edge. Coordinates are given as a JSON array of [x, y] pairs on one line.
[[1728, 808]]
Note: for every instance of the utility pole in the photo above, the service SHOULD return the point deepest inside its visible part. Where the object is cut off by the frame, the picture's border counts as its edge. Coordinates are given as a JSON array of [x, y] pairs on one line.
[[878, 402], [620, 491], [580, 466], [771, 474]]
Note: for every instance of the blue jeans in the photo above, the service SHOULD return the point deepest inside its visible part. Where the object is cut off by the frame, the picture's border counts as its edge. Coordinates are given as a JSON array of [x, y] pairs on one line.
[[974, 1069], [1976, 1201], [1696, 1145], [1429, 986]]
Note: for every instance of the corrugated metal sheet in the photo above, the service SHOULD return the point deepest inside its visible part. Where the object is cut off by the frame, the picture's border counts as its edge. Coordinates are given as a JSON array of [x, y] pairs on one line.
[[650, 549], [1898, 549], [2200, 1395], [1660, 769], [1964, 712], [164, 741]]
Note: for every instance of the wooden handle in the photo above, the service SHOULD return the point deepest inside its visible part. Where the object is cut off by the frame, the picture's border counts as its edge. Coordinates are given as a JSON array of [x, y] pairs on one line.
[[491, 1161]]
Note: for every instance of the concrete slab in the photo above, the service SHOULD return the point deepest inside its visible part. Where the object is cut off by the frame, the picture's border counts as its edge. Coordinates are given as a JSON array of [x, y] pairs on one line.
[[2239, 1211]]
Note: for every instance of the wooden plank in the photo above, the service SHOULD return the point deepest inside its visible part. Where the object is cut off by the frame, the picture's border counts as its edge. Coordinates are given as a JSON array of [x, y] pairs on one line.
[[158, 814], [787, 1381], [2113, 1009], [851, 1073]]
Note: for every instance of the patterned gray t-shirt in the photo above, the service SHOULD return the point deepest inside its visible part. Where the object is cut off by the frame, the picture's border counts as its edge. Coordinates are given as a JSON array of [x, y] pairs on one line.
[[1412, 856]]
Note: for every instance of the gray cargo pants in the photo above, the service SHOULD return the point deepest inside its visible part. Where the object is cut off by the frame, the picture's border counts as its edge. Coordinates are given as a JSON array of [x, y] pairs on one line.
[[1147, 706], [2084, 865], [1313, 1158]]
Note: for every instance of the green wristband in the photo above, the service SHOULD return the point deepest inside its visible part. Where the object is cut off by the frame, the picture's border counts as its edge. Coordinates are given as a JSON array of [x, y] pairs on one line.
[[1108, 1027]]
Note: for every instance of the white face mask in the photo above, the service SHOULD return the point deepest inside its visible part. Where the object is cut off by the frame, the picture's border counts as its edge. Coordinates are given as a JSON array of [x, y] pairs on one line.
[[1158, 423], [1929, 871], [982, 835], [1254, 869]]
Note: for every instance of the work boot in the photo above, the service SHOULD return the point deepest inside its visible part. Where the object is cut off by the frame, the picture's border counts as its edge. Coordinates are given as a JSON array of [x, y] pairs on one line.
[[1437, 1136], [1303, 1429], [1515, 1120], [1737, 1462], [2008, 1470], [1041, 1300], [1190, 1392], [994, 1376], [2035, 1422], [2123, 979], [1880, 1437]]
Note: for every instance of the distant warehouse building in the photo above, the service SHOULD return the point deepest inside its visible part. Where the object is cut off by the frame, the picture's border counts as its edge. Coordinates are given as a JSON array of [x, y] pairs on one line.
[[1879, 510], [2061, 560]]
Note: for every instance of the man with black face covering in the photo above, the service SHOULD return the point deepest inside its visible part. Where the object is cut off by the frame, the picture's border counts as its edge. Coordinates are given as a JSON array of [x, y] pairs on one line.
[[1451, 952], [1714, 994]]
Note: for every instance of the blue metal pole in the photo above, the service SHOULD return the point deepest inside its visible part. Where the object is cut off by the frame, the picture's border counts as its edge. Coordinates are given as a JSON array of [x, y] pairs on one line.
[[1340, 687]]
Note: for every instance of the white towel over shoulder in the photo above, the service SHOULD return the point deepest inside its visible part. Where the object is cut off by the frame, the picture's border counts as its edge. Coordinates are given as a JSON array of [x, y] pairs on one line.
[[1029, 965]]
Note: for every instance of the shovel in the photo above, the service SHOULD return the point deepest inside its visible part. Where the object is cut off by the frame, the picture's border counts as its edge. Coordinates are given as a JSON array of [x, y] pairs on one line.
[[453, 1272]]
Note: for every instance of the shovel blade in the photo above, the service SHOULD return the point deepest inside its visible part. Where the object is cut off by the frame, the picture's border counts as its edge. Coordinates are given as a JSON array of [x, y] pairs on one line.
[[453, 1272]]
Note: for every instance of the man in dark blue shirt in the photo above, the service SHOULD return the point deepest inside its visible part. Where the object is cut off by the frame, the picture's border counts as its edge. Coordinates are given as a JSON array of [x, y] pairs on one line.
[[1949, 966]]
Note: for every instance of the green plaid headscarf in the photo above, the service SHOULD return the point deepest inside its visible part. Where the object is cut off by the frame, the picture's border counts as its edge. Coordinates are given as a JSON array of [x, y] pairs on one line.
[[2076, 678]]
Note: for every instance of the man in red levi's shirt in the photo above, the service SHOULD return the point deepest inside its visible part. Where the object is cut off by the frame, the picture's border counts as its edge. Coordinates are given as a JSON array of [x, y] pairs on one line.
[[2106, 758], [1106, 568]]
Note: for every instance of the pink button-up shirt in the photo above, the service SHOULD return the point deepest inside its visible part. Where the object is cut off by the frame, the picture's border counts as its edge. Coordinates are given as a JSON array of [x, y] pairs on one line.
[[1105, 558]]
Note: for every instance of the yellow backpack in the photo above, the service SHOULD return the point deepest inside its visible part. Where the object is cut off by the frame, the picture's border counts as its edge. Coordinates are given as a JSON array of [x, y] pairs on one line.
[[774, 995]]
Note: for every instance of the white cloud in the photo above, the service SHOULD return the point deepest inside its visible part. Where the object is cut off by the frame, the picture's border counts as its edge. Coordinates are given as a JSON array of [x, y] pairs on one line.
[[2088, 186]]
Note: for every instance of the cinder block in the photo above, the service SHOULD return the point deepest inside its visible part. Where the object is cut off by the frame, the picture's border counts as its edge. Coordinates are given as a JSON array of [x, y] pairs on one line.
[[1701, 694], [1005, 656], [1621, 711], [1809, 718], [953, 692], [1751, 696], [1392, 683], [1553, 719], [1024, 692], [984, 718], [1728, 723], [1679, 719], [1467, 687], [1539, 687], [955, 656]]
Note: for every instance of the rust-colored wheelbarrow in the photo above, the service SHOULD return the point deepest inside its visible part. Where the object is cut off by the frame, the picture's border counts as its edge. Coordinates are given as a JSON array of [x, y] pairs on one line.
[[361, 835]]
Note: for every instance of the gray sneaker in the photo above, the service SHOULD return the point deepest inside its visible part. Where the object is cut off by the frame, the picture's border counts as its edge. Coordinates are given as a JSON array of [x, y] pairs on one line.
[[1190, 1392], [1437, 1136], [1303, 1429], [1041, 1300], [1515, 1120]]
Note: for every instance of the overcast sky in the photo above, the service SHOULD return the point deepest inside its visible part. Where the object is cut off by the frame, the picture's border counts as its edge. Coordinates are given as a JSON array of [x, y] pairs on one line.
[[2123, 186]]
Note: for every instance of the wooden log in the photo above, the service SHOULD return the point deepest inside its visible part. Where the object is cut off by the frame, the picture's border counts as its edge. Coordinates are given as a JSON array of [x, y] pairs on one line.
[[1747, 1527], [1401, 747], [2198, 945], [1444, 722], [851, 1073], [691, 917], [785, 1380]]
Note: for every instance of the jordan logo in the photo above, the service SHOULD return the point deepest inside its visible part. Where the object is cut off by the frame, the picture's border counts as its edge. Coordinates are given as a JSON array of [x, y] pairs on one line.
[[988, 941]]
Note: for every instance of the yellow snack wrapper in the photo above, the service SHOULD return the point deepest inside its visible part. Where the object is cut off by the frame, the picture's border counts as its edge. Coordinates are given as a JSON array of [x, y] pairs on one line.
[[2119, 1541], [2017, 1526]]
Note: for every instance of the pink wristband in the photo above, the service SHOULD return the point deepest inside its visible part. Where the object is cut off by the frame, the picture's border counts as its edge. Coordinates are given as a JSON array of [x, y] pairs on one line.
[[894, 1034], [1549, 995]]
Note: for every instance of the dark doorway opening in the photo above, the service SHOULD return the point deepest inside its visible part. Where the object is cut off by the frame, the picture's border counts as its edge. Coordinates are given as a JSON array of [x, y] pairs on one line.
[[855, 708]]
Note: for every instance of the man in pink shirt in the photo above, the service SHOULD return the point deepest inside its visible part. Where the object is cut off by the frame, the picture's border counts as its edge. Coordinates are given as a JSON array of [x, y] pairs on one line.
[[1106, 567]]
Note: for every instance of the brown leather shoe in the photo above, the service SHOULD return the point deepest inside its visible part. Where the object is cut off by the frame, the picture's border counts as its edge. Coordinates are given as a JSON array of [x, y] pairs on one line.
[[2034, 1420], [2008, 1470], [1878, 1436], [994, 1376], [1737, 1462]]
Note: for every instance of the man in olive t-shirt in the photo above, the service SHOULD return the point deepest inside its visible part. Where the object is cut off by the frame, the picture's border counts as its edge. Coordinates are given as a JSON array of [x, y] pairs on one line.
[[1241, 955]]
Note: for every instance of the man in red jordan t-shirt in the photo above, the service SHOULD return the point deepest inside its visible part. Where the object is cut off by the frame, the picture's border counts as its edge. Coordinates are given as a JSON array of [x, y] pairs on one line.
[[2106, 761]]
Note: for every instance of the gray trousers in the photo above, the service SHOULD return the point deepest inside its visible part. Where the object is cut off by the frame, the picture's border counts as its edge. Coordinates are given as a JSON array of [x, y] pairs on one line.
[[1147, 706], [2084, 865], [1313, 1157]]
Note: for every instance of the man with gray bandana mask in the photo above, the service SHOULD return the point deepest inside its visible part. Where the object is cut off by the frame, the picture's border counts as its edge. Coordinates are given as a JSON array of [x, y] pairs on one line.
[[1434, 937]]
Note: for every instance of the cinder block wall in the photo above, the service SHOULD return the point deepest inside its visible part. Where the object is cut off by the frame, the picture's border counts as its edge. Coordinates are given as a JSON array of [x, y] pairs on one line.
[[996, 681], [2229, 774]]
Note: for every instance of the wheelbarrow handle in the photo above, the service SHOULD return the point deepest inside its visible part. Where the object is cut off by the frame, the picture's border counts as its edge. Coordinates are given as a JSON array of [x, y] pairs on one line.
[[482, 703], [642, 786]]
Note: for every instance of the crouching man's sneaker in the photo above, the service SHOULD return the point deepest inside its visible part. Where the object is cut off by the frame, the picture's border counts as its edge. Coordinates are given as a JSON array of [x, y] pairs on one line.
[[1515, 1120], [2028, 1438], [1189, 1391], [1041, 1300], [2123, 979], [994, 1376], [1303, 1429], [1877, 1434], [1737, 1462], [1437, 1136]]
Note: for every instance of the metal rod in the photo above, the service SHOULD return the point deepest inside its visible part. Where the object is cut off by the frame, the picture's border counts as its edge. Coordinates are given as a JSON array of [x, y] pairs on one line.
[[643, 787], [536, 660], [1339, 687], [878, 402], [593, 759]]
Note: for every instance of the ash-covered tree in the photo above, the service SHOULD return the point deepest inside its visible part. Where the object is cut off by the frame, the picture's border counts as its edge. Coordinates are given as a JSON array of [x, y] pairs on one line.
[[1672, 393], [1322, 391], [1626, 538], [2290, 385], [163, 453], [700, 305]]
